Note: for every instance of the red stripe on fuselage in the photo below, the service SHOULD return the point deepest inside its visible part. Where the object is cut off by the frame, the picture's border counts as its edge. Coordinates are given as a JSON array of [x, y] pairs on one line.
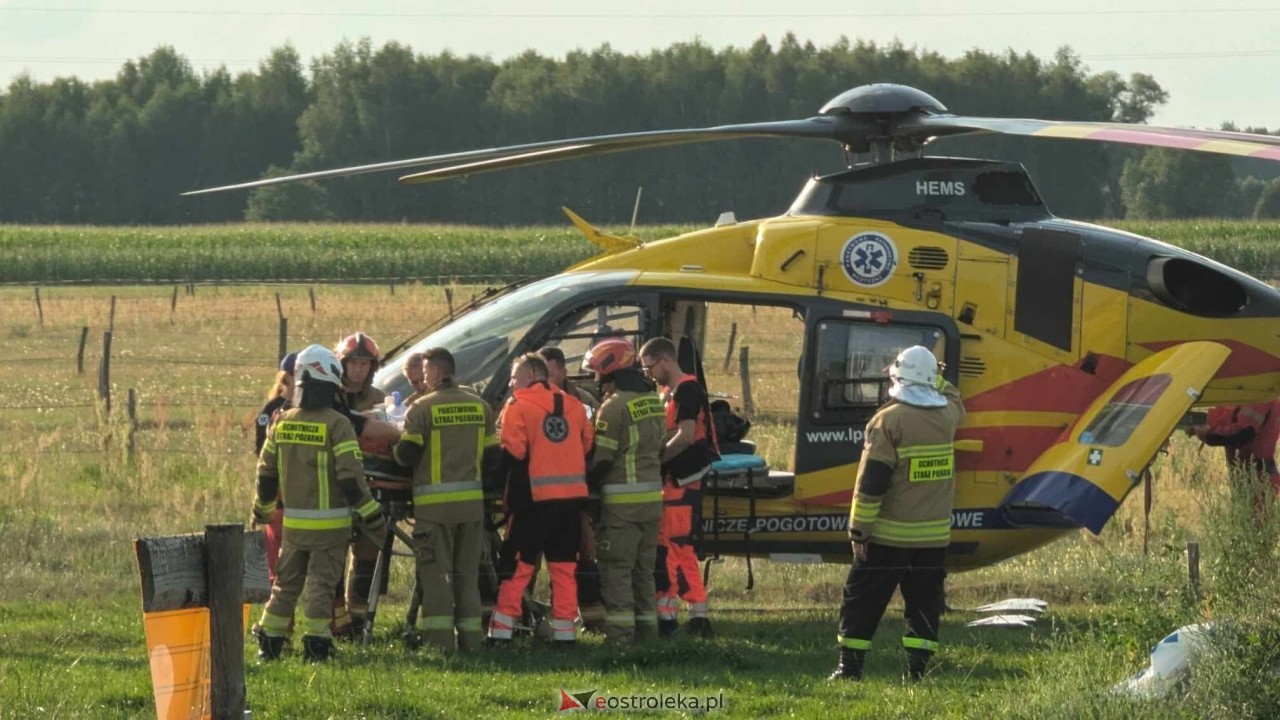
[[1005, 449], [1060, 389], [1244, 360]]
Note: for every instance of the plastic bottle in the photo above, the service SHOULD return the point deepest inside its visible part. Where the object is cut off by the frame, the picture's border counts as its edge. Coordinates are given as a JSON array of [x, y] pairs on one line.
[[396, 409]]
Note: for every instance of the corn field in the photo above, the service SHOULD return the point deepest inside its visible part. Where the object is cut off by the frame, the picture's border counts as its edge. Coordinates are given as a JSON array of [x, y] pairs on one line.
[[434, 253]]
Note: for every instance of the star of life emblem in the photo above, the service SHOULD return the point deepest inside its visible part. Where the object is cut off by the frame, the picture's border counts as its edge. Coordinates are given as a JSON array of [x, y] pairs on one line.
[[869, 258], [556, 428]]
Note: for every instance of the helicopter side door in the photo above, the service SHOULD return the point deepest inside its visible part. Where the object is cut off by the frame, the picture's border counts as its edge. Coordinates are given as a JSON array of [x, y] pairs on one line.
[[1091, 469], [849, 350]]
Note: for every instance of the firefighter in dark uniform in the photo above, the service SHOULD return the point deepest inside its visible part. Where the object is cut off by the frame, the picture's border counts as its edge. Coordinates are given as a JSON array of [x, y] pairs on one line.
[[627, 471], [445, 435], [900, 520], [545, 438], [312, 462], [590, 602]]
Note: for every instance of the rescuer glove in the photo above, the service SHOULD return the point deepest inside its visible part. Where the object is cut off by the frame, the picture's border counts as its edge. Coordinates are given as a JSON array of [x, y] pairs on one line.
[[375, 527]]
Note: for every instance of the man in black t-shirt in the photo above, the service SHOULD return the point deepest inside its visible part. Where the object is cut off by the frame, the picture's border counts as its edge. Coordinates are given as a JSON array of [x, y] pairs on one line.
[[686, 457]]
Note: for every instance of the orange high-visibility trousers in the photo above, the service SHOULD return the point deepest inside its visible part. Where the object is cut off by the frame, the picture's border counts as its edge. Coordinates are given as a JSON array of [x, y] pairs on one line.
[[678, 576], [552, 529]]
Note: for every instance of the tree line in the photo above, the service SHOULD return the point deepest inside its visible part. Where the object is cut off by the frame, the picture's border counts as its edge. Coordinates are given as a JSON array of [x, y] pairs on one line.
[[119, 151]]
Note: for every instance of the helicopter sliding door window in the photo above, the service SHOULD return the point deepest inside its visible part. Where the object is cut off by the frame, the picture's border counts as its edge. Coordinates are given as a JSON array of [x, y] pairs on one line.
[[764, 340], [750, 353], [1045, 299], [851, 378]]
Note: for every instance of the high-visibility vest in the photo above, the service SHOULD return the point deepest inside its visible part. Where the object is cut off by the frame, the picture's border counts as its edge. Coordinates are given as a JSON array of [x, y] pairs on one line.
[[702, 433], [700, 427]]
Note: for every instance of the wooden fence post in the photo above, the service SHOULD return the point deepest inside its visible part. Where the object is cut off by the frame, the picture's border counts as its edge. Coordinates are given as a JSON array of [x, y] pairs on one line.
[[448, 298], [39, 308], [111, 319], [284, 337], [311, 292], [173, 304], [744, 369], [84, 338], [1146, 507], [196, 571], [224, 568], [728, 354], [1193, 567], [104, 372], [279, 306], [132, 408]]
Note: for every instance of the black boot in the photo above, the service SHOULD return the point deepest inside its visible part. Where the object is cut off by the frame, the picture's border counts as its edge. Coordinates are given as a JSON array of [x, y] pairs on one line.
[[667, 628], [699, 627], [351, 628], [917, 663], [850, 666], [411, 638], [316, 649], [269, 647]]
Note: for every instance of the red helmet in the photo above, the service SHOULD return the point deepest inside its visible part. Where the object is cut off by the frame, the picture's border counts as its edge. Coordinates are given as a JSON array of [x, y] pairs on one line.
[[358, 345], [609, 356]]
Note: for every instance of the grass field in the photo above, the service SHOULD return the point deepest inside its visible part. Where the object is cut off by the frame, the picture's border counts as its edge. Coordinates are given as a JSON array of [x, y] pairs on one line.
[[71, 640]]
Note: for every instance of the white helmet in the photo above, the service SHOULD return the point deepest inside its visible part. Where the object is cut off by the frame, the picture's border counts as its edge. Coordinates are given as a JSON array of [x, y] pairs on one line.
[[915, 378], [915, 366], [317, 363]]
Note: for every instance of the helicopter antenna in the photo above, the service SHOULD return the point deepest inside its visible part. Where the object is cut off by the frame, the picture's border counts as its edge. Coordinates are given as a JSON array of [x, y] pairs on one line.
[[635, 210]]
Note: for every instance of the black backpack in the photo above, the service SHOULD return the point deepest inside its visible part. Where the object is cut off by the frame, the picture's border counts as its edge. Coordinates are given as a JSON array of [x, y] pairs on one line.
[[730, 426]]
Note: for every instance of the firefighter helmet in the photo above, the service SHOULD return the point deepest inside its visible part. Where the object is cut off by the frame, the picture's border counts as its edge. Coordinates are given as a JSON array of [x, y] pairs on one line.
[[318, 364], [358, 345], [915, 378], [915, 366], [609, 356]]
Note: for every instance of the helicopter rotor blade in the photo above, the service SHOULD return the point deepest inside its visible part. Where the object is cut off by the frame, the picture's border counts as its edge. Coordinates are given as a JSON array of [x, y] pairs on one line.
[[822, 128], [1214, 141], [839, 128], [538, 157]]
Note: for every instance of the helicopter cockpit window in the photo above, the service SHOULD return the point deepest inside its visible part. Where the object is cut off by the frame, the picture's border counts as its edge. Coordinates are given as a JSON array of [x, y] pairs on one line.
[[587, 326], [1124, 412], [482, 340], [852, 358]]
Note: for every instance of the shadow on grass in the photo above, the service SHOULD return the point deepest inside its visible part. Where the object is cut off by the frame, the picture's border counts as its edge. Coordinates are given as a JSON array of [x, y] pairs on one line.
[[778, 649]]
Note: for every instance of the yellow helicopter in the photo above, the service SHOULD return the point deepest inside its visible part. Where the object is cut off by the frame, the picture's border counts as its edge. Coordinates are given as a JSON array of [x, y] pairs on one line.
[[1077, 348]]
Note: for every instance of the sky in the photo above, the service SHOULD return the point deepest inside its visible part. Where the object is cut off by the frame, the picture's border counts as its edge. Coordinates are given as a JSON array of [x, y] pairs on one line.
[[1217, 61]]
